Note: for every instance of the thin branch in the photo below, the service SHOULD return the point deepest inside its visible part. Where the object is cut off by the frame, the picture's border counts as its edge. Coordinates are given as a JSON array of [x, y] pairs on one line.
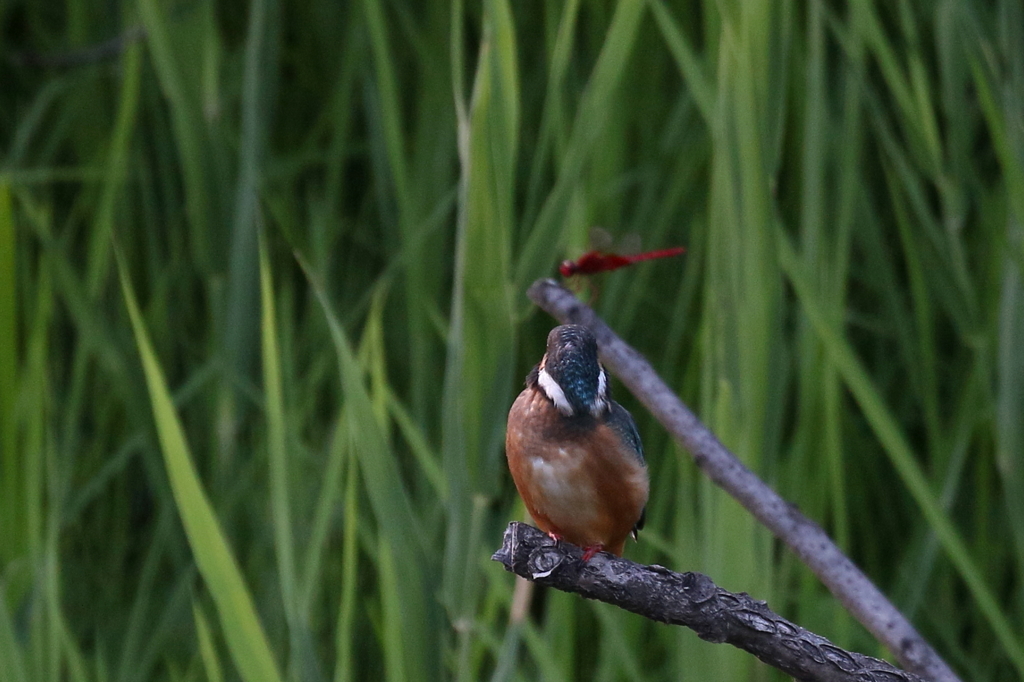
[[693, 600], [806, 538], [92, 54]]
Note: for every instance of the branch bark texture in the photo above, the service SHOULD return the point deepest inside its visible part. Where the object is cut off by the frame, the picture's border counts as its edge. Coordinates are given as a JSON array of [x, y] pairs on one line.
[[693, 600], [806, 538]]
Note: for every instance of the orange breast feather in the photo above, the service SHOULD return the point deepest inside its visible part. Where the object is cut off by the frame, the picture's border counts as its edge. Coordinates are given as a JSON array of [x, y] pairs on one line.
[[581, 484]]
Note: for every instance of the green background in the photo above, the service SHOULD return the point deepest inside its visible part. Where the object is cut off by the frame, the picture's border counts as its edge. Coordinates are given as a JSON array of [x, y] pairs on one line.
[[262, 314]]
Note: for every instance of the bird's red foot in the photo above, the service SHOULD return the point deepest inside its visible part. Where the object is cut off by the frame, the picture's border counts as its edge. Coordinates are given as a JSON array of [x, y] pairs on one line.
[[589, 552], [556, 537]]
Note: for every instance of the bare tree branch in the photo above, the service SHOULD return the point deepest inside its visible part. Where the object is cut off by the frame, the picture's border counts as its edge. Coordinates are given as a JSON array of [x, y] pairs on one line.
[[693, 600], [847, 582]]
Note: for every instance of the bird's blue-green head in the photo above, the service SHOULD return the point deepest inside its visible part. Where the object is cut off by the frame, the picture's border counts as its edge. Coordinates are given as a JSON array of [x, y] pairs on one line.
[[571, 375]]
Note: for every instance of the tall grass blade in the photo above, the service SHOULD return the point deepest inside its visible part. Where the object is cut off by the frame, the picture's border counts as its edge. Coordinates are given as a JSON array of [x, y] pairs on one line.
[[207, 647], [744, 373], [11, 650], [186, 124], [686, 58], [240, 624], [11, 499], [344, 669], [318, 546], [478, 374], [243, 268], [1010, 394], [280, 502], [100, 244], [398, 525]]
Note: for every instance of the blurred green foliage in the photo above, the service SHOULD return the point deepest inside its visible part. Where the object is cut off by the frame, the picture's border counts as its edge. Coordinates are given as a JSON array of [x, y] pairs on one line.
[[285, 460]]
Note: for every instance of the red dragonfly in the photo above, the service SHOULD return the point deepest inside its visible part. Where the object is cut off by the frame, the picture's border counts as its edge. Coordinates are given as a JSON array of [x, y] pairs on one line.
[[603, 260]]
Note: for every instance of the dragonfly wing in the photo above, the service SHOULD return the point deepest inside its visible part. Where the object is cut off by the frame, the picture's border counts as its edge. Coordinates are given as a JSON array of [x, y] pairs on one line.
[[600, 239]]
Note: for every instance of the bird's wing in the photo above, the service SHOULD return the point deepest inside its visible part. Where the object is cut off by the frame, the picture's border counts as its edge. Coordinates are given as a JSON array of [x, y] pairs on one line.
[[621, 421]]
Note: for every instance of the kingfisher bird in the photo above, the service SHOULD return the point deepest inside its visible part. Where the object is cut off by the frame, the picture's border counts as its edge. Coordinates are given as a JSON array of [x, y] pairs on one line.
[[574, 453]]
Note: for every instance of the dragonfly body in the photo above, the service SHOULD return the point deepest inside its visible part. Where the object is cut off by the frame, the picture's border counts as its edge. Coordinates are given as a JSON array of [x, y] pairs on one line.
[[593, 262]]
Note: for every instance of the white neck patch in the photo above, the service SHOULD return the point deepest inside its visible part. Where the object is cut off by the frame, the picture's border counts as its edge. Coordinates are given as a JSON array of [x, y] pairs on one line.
[[601, 403], [554, 392], [556, 395]]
